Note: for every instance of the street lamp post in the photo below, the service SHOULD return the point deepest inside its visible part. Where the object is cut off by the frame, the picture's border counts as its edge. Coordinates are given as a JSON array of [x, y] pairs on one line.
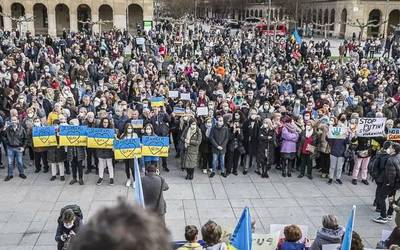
[[269, 25]]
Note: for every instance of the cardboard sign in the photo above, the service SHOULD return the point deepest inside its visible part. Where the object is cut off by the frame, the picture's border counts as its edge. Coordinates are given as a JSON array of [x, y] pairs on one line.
[[185, 96], [44, 136], [127, 149], [155, 146], [100, 138], [394, 134], [371, 127], [173, 94], [337, 132], [280, 228], [179, 111], [137, 123], [265, 241], [73, 136], [202, 111], [157, 101]]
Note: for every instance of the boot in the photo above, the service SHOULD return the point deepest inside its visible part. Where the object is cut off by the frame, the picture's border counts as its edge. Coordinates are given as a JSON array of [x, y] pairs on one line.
[[191, 174], [187, 174]]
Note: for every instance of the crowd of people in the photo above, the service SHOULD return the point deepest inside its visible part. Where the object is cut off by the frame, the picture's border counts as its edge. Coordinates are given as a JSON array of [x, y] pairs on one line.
[[266, 107]]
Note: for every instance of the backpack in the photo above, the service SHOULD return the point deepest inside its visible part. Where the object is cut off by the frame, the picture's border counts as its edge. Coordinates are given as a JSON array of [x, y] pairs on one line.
[[75, 208], [373, 166]]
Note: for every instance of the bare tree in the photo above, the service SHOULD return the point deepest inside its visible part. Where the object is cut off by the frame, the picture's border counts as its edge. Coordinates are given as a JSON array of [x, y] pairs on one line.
[[362, 25]]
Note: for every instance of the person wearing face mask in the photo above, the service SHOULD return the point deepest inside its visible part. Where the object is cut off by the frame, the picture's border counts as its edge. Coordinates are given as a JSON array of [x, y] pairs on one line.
[[205, 160], [160, 122], [149, 160], [267, 141], [190, 139], [68, 226], [250, 132], [28, 124], [75, 157], [219, 137], [308, 142], [105, 156], [56, 156], [15, 139], [390, 183], [289, 139], [91, 159], [129, 133], [39, 154]]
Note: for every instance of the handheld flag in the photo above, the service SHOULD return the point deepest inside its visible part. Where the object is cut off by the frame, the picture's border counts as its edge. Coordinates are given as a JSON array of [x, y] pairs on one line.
[[242, 238], [139, 198], [346, 243], [297, 37]]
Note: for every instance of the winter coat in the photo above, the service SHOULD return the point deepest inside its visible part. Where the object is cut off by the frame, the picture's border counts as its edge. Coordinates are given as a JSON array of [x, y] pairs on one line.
[[327, 236], [219, 136], [266, 145], [323, 145], [250, 134], [191, 152], [338, 146], [313, 143], [378, 171], [191, 246], [235, 140], [205, 146], [63, 230], [161, 124], [289, 140], [286, 245], [15, 138], [151, 184], [219, 246], [392, 171], [78, 152]]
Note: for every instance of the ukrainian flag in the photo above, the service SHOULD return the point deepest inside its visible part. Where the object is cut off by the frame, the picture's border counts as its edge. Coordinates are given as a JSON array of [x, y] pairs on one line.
[[157, 101], [348, 235], [73, 136], [127, 149], [100, 138], [242, 236], [44, 136], [155, 146]]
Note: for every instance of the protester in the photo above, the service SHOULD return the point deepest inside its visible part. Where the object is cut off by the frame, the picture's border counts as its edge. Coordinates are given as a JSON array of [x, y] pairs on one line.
[[293, 235], [190, 139], [68, 226], [105, 156], [219, 137], [212, 233], [330, 233], [191, 234], [129, 133]]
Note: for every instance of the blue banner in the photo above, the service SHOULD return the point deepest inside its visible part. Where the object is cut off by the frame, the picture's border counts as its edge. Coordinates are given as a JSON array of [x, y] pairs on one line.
[[43, 131]]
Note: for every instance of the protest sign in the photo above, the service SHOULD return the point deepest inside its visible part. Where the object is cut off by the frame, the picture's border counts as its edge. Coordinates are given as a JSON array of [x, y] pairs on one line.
[[185, 96], [100, 138], [179, 111], [202, 111], [265, 241], [173, 94], [73, 136], [394, 134], [280, 228], [157, 101], [44, 136], [127, 149], [155, 146], [137, 123], [337, 132], [370, 127]]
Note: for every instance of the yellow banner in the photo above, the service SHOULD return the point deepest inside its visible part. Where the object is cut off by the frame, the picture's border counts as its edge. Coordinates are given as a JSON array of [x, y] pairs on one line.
[[123, 154], [105, 143], [155, 151], [44, 141], [77, 141]]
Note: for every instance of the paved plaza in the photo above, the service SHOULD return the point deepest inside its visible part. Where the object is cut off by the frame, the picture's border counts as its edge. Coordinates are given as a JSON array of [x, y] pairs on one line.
[[29, 208]]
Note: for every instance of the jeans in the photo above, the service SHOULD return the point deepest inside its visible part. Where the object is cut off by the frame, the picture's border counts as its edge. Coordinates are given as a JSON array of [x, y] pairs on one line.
[[336, 166], [77, 168], [14, 153], [218, 158]]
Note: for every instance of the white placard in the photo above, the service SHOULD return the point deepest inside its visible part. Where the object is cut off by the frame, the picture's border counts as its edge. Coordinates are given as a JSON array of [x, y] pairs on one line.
[[370, 127], [202, 111], [185, 96], [337, 132], [173, 94]]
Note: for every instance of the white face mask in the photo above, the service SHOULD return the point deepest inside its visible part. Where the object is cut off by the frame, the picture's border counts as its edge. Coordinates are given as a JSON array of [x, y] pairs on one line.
[[148, 131], [68, 225], [129, 130], [36, 124]]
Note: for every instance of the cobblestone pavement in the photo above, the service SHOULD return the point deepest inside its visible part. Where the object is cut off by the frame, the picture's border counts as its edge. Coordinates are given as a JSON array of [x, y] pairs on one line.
[[29, 208]]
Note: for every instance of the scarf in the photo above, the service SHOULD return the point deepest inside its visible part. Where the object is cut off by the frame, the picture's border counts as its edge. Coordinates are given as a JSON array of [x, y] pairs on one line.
[[189, 135]]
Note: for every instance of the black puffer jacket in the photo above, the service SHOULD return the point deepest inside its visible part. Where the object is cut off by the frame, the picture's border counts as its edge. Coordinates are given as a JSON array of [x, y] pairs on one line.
[[392, 171]]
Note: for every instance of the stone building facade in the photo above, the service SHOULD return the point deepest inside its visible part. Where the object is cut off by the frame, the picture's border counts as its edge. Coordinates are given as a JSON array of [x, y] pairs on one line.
[[53, 16], [340, 12]]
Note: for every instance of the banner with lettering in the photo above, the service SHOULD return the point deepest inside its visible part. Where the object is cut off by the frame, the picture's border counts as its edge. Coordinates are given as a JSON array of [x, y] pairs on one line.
[[100, 138], [155, 146], [370, 127], [73, 136], [44, 136], [127, 149], [337, 132], [394, 134]]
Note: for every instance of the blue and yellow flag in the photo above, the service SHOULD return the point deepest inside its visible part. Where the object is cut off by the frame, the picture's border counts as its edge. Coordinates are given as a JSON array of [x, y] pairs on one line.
[[127, 149], [348, 235], [155, 146], [44, 136], [242, 238], [137, 123], [100, 138], [73, 136], [297, 37], [139, 197], [157, 101]]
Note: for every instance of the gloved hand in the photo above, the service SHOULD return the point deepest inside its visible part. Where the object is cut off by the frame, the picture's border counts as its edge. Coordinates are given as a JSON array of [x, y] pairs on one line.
[[64, 237]]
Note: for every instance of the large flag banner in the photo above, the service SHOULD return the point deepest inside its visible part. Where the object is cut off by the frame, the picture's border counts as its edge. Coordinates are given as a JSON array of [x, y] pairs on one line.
[[346, 243], [100, 138], [137, 123], [155, 146], [371, 127], [337, 132], [394, 134], [297, 37], [157, 101], [139, 198], [44, 136], [73, 136], [127, 149], [242, 238]]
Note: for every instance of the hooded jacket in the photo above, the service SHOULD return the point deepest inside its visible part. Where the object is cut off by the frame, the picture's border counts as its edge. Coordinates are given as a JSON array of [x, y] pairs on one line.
[[327, 236]]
